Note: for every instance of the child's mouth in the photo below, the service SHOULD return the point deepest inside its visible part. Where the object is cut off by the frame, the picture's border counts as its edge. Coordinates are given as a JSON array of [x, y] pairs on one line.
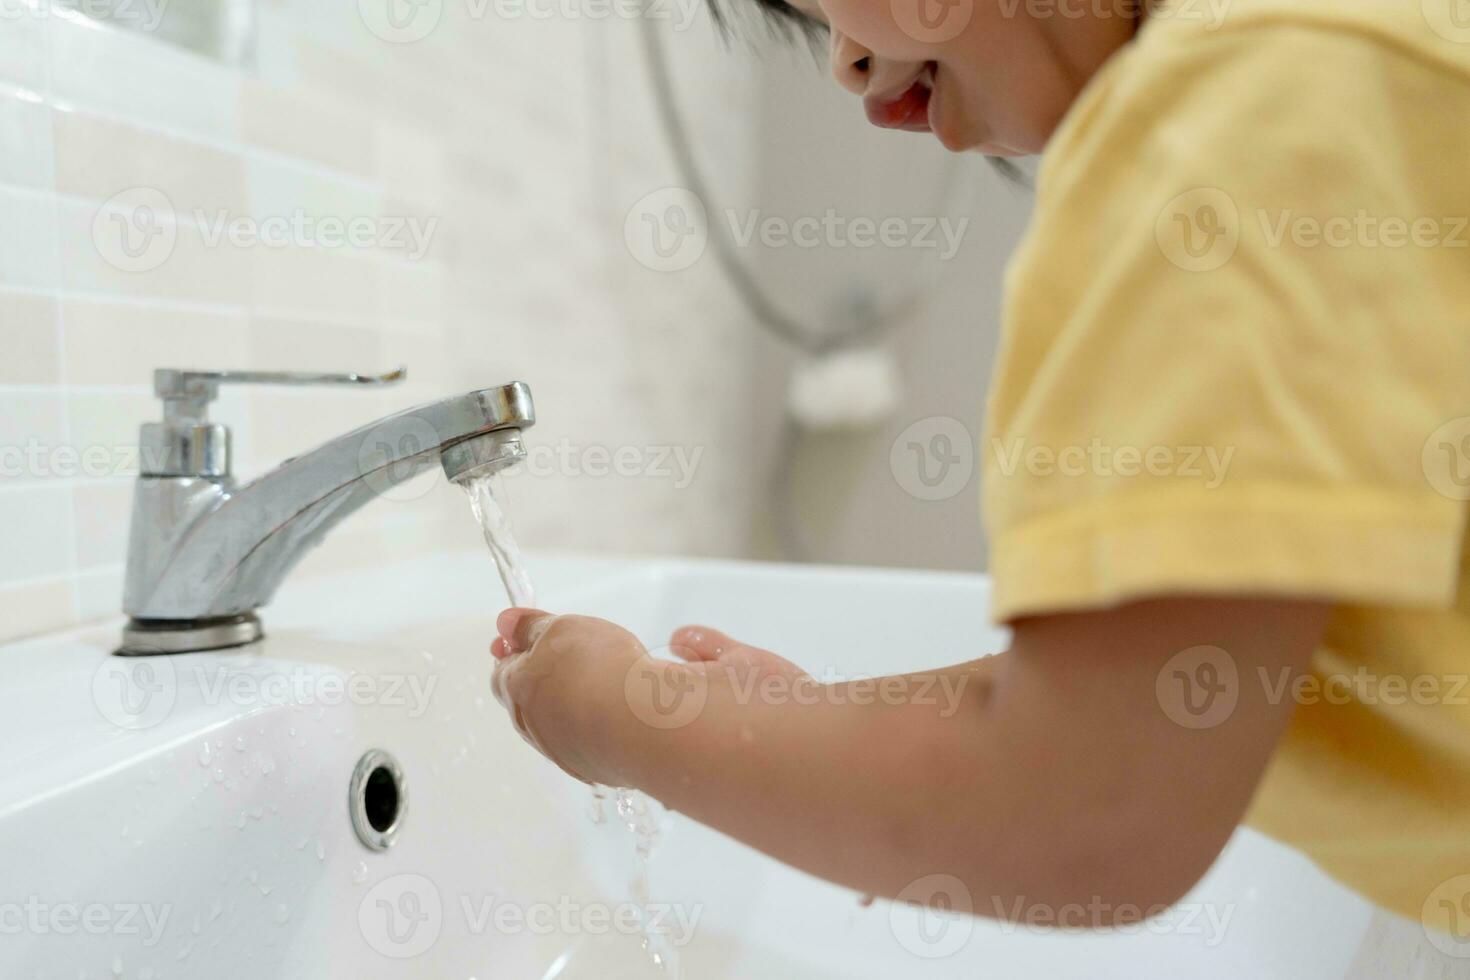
[[909, 111]]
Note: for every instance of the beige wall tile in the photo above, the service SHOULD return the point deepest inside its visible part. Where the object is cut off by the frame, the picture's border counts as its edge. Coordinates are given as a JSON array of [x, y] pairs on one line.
[[188, 267], [314, 283], [28, 332], [26, 610], [309, 126], [110, 343], [98, 157], [282, 344]]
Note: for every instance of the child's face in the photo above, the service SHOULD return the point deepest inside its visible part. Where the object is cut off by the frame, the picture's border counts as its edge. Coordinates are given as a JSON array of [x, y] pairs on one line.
[[981, 75]]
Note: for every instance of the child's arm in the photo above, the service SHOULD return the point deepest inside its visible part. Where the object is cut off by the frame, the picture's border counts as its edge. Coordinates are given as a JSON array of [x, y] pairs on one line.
[[1057, 776]]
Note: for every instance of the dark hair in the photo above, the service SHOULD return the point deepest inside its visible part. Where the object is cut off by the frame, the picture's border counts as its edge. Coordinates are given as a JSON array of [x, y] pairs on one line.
[[781, 20]]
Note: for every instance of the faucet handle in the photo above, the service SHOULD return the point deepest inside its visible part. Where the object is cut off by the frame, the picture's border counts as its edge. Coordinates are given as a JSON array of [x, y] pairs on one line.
[[188, 392], [187, 444]]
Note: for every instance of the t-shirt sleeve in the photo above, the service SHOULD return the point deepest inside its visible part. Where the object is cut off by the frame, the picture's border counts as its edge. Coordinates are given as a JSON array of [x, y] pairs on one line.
[[1236, 348]]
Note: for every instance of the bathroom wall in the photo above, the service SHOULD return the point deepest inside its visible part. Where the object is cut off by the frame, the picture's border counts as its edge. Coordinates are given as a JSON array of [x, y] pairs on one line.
[[904, 491], [517, 139]]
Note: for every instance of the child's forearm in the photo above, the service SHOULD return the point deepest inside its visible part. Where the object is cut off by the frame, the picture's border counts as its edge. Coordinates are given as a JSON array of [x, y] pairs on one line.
[[1053, 777], [868, 784]]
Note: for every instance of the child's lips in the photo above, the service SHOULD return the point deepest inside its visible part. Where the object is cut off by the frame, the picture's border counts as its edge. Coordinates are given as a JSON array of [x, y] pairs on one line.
[[909, 112]]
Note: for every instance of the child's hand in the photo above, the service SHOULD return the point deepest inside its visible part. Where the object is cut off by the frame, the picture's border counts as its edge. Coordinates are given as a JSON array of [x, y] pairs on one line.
[[569, 684]]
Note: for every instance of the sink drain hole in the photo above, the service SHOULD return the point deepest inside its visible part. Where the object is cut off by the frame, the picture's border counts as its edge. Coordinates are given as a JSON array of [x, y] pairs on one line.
[[377, 799]]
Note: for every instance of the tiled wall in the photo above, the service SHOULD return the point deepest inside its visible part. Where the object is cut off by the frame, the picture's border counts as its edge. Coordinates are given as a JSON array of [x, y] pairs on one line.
[[525, 138]]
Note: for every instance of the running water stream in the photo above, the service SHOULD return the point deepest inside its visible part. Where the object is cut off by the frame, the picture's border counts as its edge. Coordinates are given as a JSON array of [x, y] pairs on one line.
[[640, 814]]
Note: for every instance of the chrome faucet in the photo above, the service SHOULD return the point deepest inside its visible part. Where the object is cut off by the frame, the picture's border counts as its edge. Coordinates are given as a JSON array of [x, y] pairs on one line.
[[205, 554]]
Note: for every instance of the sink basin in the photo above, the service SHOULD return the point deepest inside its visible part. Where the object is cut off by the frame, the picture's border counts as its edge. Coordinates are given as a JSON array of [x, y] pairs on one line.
[[189, 816]]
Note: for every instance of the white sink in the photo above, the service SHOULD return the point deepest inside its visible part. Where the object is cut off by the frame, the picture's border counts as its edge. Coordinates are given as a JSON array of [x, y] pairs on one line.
[[132, 850]]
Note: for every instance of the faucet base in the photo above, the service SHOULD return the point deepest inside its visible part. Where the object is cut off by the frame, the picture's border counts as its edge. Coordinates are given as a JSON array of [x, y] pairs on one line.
[[151, 637]]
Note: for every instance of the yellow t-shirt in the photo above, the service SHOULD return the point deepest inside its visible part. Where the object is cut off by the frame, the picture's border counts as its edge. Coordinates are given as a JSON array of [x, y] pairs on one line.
[[1236, 360]]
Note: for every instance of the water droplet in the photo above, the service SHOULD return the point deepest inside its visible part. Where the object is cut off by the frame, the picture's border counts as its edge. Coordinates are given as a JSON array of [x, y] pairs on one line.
[[360, 873], [282, 914], [321, 851], [240, 743], [205, 754]]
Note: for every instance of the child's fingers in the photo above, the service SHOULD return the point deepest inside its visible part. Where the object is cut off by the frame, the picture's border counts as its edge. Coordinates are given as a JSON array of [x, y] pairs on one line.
[[696, 643], [521, 628]]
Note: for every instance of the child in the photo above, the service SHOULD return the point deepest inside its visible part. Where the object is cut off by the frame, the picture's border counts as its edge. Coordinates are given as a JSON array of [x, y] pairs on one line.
[[1247, 247]]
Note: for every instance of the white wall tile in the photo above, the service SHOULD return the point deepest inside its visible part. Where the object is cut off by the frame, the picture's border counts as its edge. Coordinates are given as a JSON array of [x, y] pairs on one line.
[[29, 252], [36, 526], [23, 44], [25, 140], [103, 68], [33, 436]]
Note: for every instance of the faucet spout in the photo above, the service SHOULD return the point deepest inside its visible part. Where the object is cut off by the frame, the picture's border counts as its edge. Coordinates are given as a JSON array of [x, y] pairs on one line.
[[205, 554]]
